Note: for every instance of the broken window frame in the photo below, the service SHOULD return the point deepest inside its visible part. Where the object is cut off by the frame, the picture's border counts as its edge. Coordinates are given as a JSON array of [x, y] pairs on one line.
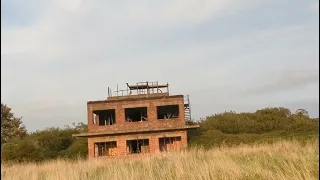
[[168, 115], [163, 146], [143, 114], [103, 148], [139, 144], [104, 120]]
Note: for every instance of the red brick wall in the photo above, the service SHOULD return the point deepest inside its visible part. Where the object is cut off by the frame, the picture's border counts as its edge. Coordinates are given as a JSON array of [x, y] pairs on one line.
[[151, 105], [121, 141]]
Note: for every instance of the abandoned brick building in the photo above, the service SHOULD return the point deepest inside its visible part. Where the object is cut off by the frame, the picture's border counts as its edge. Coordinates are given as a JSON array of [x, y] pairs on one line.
[[144, 118]]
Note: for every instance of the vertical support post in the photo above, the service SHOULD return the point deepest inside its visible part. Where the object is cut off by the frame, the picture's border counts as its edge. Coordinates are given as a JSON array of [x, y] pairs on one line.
[[94, 149], [137, 148], [164, 143], [189, 108], [157, 87], [137, 88], [105, 148], [117, 90]]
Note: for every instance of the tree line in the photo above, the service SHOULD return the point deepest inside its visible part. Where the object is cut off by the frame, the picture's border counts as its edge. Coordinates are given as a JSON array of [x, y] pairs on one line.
[[228, 128], [264, 125], [19, 146]]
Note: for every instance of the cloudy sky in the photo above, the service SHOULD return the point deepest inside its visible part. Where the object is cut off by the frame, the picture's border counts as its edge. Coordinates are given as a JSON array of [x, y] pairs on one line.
[[237, 55]]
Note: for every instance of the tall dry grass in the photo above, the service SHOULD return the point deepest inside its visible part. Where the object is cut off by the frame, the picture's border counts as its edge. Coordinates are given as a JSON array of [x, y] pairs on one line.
[[282, 160]]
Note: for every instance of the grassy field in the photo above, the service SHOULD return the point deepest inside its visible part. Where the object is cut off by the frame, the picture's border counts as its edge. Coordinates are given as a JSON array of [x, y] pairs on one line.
[[281, 160]]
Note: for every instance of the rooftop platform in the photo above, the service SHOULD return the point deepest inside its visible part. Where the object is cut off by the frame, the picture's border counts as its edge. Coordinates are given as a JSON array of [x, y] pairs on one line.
[[139, 90], [147, 85]]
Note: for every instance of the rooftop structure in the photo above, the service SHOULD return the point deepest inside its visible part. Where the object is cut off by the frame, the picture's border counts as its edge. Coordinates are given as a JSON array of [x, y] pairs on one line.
[[140, 89]]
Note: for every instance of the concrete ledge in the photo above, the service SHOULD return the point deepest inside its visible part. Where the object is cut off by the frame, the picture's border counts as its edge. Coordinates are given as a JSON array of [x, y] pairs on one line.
[[128, 98], [138, 96], [91, 134]]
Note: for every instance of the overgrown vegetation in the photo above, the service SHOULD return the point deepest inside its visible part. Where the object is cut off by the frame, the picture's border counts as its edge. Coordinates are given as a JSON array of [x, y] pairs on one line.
[[228, 128], [47, 144], [11, 127], [282, 160], [19, 146], [265, 125]]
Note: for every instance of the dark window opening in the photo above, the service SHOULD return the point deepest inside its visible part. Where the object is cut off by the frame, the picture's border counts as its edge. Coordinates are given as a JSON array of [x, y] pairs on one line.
[[136, 114], [104, 117], [105, 148], [169, 143], [168, 112], [137, 146]]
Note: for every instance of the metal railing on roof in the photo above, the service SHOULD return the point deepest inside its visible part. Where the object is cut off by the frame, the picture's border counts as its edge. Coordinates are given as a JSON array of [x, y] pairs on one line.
[[140, 88]]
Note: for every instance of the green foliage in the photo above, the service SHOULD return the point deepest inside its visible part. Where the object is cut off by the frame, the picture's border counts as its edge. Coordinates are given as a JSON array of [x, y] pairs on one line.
[[11, 127], [265, 125], [78, 149], [228, 128], [47, 144]]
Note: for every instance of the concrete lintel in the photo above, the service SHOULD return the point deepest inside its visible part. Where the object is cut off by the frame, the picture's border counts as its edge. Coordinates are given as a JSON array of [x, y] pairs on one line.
[[136, 131]]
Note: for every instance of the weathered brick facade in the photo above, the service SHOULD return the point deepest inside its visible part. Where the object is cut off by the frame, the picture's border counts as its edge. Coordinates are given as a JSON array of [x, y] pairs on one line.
[[150, 103], [151, 130], [121, 141]]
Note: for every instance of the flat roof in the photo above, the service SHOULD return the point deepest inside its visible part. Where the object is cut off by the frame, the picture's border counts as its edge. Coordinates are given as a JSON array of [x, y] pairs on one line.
[[90, 134], [134, 99]]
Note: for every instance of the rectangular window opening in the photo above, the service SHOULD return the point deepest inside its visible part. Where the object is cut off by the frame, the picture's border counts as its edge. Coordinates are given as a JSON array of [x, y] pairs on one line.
[[105, 148], [104, 117], [170, 143], [136, 114], [168, 112], [137, 146]]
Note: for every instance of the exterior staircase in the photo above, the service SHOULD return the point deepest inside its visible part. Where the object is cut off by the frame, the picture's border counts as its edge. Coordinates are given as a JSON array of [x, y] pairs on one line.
[[187, 109]]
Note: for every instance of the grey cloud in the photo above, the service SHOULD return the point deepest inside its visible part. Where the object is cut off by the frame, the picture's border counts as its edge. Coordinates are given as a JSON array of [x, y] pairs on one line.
[[54, 115], [284, 81], [315, 6]]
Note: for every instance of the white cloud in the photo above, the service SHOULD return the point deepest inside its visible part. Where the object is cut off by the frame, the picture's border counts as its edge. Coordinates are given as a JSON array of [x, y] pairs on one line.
[[69, 27]]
